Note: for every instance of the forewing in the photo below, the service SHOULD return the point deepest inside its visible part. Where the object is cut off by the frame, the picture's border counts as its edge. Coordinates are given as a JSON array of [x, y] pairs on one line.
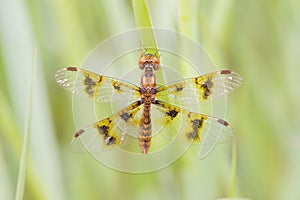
[[188, 127], [200, 89], [96, 87], [114, 131]]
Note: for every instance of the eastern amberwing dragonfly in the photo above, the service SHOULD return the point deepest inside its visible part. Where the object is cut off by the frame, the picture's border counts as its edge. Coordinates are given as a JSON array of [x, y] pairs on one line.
[[112, 131]]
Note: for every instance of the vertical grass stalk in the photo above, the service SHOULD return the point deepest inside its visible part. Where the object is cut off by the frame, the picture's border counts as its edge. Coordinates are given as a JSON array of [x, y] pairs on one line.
[[231, 190], [26, 139], [144, 26]]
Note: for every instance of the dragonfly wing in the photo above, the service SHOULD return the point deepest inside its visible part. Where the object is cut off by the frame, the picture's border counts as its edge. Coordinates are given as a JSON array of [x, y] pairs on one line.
[[114, 131], [200, 89], [193, 128], [96, 87]]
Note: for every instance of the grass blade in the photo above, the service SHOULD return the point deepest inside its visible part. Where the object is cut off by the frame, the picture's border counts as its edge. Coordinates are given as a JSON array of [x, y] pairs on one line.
[[143, 23], [27, 129]]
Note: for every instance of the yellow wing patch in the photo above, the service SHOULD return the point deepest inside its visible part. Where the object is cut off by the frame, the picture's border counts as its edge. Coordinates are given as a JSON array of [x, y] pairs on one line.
[[91, 83], [196, 123], [104, 129], [184, 126], [116, 130], [96, 87], [205, 85], [201, 89]]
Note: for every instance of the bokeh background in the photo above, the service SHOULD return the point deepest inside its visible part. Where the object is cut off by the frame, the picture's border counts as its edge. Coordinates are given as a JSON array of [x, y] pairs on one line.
[[257, 38]]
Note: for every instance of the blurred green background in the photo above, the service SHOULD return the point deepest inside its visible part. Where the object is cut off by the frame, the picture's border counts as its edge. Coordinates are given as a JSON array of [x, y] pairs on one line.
[[257, 38]]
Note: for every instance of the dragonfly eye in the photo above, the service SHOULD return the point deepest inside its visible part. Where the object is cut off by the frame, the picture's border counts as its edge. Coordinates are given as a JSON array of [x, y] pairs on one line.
[[156, 62], [142, 62], [149, 59]]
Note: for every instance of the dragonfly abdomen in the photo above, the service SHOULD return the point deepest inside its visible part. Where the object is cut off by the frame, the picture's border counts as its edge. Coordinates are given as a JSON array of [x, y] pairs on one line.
[[145, 129]]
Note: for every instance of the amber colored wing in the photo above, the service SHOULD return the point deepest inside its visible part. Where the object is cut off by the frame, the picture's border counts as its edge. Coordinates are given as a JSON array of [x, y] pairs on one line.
[[200, 89], [108, 133], [96, 87], [188, 127]]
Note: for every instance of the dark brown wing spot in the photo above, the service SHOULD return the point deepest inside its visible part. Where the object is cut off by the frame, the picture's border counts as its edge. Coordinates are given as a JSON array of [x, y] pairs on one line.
[[196, 125], [110, 140], [117, 86], [71, 68], [206, 86], [192, 135], [90, 85], [159, 103], [78, 133], [179, 88], [137, 103], [225, 72], [125, 116], [103, 130], [221, 121], [172, 113]]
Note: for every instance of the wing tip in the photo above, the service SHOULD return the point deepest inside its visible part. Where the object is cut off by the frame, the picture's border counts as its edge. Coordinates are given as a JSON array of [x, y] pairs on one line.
[[231, 78], [233, 73], [62, 72], [71, 68]]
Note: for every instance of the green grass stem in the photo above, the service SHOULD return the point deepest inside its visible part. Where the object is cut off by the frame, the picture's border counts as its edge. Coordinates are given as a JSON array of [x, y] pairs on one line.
[[144, 26], [232, 186], [27, 129]]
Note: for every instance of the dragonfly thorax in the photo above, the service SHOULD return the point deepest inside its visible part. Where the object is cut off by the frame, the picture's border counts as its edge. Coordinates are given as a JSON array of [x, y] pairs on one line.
[[149, 61], [148, 79]]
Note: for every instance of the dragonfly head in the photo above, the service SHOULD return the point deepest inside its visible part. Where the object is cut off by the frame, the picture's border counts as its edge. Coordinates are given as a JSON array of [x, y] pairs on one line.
[[149, 60]]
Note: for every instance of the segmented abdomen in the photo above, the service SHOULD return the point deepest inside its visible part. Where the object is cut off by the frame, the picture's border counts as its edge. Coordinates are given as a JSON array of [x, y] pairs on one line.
[[145, 129]]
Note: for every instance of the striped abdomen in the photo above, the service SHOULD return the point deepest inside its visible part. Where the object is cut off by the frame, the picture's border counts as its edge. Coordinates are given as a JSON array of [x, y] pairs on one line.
[[145, 129]]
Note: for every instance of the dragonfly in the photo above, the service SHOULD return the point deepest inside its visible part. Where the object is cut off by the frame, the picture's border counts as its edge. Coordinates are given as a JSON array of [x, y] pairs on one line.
[[148, 108]]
